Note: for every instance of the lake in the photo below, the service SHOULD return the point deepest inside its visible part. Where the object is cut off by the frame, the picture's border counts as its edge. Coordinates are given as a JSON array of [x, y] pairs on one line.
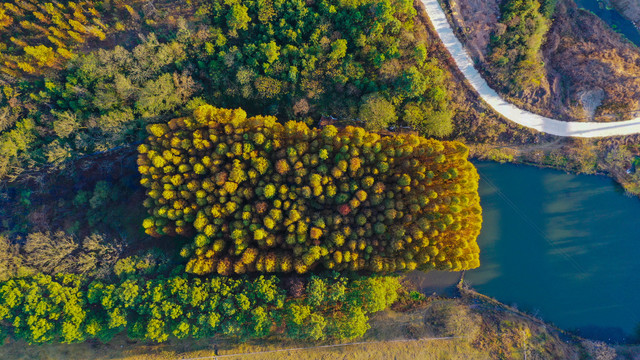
[[612, 18], [563, 247]]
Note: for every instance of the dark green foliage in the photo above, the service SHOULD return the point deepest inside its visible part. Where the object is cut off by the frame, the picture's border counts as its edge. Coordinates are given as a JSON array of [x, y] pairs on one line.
[[293, 58], [71, 310], [326, 53], [97, 194], [548, 7]]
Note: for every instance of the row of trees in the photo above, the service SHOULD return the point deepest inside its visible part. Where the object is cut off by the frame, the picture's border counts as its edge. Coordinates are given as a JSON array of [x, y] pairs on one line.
[[66, 308], [271, 198]]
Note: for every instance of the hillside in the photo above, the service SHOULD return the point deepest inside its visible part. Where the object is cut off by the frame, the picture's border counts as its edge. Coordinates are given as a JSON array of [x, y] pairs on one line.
[[590, 72], [493, 138]]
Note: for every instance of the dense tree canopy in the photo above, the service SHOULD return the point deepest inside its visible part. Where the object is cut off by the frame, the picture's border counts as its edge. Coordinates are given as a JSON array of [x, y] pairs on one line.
[[278, 52], [291, 58], [67, 308], [271, 198], [253, 194]]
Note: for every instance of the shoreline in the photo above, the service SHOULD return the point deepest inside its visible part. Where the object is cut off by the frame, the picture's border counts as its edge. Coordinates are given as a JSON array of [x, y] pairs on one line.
[[460, 290]]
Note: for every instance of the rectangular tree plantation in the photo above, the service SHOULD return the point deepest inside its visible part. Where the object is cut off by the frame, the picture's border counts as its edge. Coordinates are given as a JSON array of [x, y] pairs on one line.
[[259, 196]]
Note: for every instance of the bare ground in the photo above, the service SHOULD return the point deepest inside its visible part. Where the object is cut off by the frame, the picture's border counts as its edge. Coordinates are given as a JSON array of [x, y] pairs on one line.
[[587, 55], [582, 56], [478, 19]]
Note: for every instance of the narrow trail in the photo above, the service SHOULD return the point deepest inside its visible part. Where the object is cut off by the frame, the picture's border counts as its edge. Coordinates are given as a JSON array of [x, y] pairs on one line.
[[226, 356], [509, 111]]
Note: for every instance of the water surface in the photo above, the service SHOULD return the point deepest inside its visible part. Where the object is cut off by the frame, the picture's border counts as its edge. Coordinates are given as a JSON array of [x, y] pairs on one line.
[[563, 247], [613, 18]]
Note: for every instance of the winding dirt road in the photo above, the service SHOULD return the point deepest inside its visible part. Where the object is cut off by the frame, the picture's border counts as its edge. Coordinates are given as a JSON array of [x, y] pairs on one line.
[[508, 110]]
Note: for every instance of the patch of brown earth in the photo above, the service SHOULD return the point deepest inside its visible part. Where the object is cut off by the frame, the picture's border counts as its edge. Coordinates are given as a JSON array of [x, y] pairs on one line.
[[582, 55], [586, 55], [477, 20]]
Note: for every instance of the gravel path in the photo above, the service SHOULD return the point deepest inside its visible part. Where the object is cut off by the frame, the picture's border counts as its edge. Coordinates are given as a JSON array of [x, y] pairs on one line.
[[508, 110]]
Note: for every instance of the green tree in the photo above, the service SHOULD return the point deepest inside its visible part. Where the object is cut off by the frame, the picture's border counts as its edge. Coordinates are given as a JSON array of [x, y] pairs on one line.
[[66, 123], [377, 112], [413, 82], [157, 96], [238, 18], [353, 324], [515, 51], [338, 49], [430, 123], [316, 291], [271, 50]]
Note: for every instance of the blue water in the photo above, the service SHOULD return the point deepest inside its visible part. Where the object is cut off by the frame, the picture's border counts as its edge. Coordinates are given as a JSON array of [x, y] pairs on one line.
[[612, 18], [563, 246]]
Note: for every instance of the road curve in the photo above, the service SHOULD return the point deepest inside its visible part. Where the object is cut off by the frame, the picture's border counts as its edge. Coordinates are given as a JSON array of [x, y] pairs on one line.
[[508, 110]]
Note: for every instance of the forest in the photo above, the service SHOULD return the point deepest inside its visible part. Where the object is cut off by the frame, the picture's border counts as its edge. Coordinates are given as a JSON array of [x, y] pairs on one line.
[[352, 60], [57, 288], [266, 197], [241, 224]]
